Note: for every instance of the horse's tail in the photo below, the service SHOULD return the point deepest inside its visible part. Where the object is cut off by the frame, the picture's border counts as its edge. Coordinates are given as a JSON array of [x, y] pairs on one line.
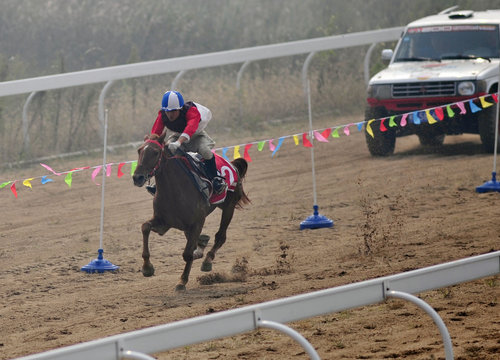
[[242, 167]]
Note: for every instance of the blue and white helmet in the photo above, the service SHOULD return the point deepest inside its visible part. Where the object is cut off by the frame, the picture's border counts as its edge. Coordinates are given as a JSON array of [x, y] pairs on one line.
[[172, 100]]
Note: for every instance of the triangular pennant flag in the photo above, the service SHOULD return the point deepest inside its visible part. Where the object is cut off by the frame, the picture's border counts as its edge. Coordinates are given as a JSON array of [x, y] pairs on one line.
[[50, 169], [430, 119], [495, 97], [45, 180], [484, 103], [133, 166], [319, 137], [271, 145], [236, 152], [120, 172], [382, 125], [246, 155], [224, 151], [326, 133], [439, 113], [95, 172], [416, 118], [449, 111], [13, 189], [260, 145], [335, 133], [473, 107], [369, 128], [392, 123], [2, 185], [403, 121], [27, 183], [280, 142], [360, 125], [347, 131], [462, 108], [296, 139], [69, 179], [108, 170], [305, 140]]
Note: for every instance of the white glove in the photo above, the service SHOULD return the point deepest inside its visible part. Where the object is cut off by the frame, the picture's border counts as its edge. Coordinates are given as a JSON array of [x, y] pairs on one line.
[[174, 146]]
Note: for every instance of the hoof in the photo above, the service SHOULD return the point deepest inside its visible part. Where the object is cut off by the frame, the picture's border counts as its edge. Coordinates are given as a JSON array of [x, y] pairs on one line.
[[206, 267], [180, 287], [148, 271]]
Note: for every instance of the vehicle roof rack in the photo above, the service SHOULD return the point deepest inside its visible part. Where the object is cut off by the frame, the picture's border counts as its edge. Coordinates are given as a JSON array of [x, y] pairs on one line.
[[464, 14]]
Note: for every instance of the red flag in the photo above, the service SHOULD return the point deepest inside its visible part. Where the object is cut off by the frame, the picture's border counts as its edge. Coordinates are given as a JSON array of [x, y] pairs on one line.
[[305, 140], [326, 133], [495, 97], [439, 113], [120, 173], [246, 156], [382, 126], [13, 189]]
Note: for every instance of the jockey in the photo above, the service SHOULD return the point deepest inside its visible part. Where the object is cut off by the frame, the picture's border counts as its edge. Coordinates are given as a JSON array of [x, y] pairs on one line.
[[187, 122]]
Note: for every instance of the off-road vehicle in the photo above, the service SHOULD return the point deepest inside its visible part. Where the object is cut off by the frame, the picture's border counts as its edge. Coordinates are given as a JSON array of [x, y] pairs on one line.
[[447, 58]]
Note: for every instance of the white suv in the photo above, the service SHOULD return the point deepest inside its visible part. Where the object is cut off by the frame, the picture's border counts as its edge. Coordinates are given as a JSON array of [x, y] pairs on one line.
[[447, 58]]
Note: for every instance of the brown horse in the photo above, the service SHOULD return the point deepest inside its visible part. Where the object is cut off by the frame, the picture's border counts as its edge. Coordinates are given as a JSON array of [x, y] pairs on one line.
[[178, 204]]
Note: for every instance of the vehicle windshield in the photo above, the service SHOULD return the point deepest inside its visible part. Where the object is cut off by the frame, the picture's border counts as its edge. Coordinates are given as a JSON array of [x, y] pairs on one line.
[[449, 42]]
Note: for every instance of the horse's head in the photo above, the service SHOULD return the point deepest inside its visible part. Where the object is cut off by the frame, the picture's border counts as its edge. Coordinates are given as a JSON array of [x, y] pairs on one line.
[[150, 154]]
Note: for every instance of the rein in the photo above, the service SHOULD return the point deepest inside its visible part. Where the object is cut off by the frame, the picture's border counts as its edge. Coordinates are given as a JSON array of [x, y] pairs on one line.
[[155, 169]]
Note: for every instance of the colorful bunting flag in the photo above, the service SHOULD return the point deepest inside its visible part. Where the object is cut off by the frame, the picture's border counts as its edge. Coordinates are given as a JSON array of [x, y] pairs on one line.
[[45, 180], [449, 111], [2, 185], [335, 133], [13, 189], [246, 155], [439, 113], [133, 167], [430, 119], [462, 107], [69, 179], [224, 151], [27, 183], [120, 172], [484, 103], [392, 123], [236, 152], [369, 128], [305, 141], [319, 137], [260, 145], [403, 121], [473, 107], [382, 125], [280, 142], [296, 139], [326, 133]]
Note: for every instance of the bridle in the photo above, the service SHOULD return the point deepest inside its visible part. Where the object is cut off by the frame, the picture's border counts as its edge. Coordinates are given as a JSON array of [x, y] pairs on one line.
[[152, 173]]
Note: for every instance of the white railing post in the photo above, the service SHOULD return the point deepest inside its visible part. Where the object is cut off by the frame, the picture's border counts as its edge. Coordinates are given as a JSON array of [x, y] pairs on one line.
[[448, 347]]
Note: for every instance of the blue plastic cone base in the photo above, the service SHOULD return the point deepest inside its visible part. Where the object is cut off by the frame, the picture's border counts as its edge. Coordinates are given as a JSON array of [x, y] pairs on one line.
[[489, 186], [99, 265], [316, 221]]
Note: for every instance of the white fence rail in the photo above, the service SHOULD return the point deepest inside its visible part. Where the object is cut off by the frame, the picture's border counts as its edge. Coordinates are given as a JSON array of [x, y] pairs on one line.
[[228, 323]]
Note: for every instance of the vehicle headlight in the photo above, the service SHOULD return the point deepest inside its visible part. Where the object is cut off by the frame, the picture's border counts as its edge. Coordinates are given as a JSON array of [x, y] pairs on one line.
[[379, 91], [465, 88]]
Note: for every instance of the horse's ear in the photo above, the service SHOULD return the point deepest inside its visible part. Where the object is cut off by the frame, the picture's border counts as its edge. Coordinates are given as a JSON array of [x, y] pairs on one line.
[[146, 137], [162, 137]]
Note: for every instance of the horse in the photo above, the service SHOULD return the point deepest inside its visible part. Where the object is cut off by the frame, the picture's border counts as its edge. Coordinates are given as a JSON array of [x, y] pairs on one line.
[[179, 204]]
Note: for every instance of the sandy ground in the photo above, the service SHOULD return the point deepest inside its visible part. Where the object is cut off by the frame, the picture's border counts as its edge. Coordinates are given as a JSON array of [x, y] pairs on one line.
[[415, 209]]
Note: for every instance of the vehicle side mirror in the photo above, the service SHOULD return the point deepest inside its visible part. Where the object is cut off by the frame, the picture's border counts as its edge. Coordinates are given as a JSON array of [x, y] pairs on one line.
[[387, 55]]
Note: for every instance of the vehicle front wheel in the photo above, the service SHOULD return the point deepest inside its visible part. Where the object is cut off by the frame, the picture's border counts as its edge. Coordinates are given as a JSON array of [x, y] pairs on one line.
[[383, 142], [487, 124]]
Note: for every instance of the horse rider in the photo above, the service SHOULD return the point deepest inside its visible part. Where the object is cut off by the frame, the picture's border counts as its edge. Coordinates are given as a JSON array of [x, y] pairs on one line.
[[187, 121]]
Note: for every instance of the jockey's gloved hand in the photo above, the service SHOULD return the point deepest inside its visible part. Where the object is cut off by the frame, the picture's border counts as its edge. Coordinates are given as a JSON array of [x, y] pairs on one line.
[[174, 146]]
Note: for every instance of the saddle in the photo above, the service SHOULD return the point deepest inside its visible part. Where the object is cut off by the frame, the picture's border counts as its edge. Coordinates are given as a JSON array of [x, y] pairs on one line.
[[193, 164]]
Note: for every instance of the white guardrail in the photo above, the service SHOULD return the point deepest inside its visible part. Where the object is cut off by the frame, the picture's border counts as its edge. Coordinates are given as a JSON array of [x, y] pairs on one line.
[[182, 64], [273, 314]]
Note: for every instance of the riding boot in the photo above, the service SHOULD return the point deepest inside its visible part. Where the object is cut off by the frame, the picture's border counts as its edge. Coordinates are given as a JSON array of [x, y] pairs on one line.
[[218, 182], [151, 189]]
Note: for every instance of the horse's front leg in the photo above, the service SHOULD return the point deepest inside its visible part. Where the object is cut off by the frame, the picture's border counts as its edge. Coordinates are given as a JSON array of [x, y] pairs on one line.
[[147, 227], [192, 237]]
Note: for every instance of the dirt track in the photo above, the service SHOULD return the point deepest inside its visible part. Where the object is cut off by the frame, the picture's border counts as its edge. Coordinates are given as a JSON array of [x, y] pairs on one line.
[[415, 209]]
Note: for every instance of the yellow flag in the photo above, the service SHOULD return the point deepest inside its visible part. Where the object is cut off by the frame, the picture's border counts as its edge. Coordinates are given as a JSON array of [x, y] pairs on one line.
[[484, 103], [27, 183], [296, 139], [369, 128], [237, 152], [430, 119]]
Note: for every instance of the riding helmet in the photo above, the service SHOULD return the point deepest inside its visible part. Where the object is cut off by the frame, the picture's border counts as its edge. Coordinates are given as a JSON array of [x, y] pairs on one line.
[[172, 100]]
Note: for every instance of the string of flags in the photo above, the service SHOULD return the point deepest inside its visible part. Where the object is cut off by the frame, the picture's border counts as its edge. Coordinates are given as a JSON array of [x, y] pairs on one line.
[[430, 115]]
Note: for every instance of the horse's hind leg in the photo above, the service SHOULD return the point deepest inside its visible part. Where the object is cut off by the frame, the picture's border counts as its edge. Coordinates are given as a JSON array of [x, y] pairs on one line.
[[220, 238]]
